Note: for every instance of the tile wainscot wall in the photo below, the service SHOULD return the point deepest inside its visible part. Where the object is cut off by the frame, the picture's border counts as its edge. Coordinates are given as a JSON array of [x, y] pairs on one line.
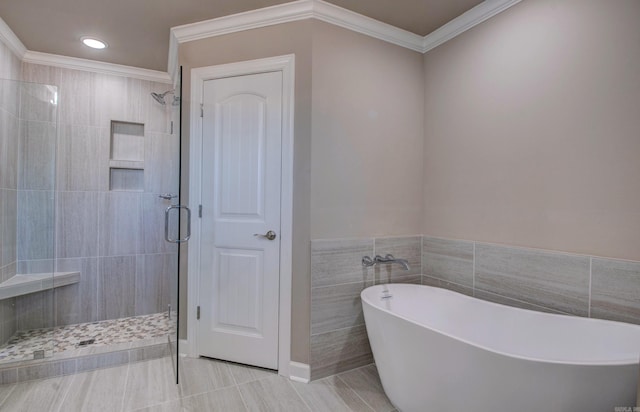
[[542, 280]]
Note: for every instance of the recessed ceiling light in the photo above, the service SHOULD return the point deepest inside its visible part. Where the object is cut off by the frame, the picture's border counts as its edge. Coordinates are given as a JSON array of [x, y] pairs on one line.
[[94, 43]]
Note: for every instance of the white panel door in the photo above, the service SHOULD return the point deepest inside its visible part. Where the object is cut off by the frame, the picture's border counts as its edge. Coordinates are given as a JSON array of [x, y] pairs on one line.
[[241, 168]]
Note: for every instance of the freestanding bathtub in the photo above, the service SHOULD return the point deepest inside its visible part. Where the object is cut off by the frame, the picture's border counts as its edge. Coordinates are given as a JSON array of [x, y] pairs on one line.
[[439, 351]]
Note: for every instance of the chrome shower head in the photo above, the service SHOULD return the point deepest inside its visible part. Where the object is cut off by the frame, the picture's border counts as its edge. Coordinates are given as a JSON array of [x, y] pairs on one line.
[[159, 97]]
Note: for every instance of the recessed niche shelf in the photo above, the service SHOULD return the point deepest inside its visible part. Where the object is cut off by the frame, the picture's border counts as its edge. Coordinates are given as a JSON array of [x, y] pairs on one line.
[[127, 141], [129, 180], [126, 163]]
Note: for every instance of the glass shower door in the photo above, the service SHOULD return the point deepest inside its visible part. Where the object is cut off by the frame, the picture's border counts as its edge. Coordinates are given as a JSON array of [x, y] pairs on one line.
[[28, 131]]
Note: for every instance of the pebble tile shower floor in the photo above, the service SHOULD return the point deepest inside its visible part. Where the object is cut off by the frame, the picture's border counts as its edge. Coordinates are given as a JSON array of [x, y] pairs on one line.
[[66, 338]]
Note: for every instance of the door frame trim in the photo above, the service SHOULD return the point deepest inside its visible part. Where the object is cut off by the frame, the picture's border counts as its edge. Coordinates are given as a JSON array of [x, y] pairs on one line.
[[286, 65]]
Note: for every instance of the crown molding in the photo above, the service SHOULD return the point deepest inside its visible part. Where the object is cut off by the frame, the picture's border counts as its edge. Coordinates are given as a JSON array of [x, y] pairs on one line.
[[267, 16], [9, 38], [294, 11], [465, 21], [356, 22], [95, 66]]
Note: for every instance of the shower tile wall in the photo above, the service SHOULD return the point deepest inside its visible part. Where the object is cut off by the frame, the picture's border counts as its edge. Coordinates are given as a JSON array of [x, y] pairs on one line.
[[114, 238], [10, 71], [338, 335]]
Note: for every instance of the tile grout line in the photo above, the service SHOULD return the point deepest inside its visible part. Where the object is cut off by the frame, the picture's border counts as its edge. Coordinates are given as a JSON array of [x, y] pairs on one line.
[[590, 280], [238, 388], [126, 383], [355, 392], [473, 275], [292, 386], [66, 394], [244, 402], [13, 388]]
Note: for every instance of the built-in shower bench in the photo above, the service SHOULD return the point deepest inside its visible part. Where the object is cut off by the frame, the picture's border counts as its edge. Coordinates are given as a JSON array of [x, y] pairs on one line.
[[19, 285]]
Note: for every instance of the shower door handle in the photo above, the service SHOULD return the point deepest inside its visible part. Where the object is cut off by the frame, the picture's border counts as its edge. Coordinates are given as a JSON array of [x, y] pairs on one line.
[[166, 224]]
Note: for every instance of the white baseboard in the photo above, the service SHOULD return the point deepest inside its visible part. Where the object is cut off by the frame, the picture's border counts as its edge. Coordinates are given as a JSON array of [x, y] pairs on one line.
[[183, 348], [299, 372]]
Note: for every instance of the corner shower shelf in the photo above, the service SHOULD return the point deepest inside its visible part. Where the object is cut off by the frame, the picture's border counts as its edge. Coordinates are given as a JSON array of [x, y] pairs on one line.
[[19, 285]]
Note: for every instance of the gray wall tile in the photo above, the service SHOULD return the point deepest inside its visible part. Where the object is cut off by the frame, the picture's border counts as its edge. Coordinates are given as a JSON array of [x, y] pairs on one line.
[[35, 311], [10, 94], [9, 149], [126, 180], [449, 260], [156, 116], [149, 352], [37, 155], [78, 303], [35, 225], [36, 266], [152, 283], [76, 82], [7, 319], [161, 161], [36, 102], [8, 271], [491, 297], [8, 227], [338, 351], [439, 283], [8, 376], [414, 279], [615, 290], [116, 287], [38, 73], [336, 307], [83, 154], [153, 209], [105, 360], [120, 224], [409, 248], [77, 108], [46, 370], [77, 216], [553, 280], [340, 261]]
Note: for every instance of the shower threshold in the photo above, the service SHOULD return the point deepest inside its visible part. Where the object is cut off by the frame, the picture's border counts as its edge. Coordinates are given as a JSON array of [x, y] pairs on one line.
[[73, 340]]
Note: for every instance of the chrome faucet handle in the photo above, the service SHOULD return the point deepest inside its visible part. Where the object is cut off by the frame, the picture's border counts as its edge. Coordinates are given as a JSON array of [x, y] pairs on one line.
[[167, 196], [387, 258], [367, 261]]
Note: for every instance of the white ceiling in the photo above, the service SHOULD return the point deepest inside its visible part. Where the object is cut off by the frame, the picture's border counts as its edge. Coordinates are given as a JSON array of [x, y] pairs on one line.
[[138, 30]]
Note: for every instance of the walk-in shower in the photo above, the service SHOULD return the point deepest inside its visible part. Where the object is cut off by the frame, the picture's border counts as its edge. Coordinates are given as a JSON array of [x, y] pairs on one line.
[[87, 279]]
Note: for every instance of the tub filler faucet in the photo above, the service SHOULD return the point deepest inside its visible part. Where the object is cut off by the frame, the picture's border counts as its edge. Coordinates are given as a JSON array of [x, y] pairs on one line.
[[367, 261]]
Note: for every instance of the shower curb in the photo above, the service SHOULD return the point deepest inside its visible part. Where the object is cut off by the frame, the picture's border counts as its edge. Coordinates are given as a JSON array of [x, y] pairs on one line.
[[51, 368]]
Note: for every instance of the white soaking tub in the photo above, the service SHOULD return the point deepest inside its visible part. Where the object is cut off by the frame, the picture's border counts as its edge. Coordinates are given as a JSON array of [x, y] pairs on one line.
[[439, 351]]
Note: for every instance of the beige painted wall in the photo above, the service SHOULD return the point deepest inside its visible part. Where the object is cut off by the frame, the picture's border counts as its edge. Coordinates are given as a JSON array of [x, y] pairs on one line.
[[366, 151], [532, 129], [254, 44], [358, 138]]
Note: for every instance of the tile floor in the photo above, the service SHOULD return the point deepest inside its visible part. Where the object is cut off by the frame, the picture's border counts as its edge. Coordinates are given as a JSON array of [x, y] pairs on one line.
[[66, 338], [206, 385]]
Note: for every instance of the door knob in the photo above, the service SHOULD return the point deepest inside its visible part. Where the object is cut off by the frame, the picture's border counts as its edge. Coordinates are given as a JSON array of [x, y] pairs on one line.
[[269, 235]]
